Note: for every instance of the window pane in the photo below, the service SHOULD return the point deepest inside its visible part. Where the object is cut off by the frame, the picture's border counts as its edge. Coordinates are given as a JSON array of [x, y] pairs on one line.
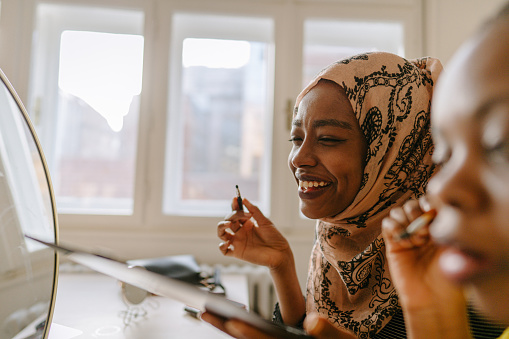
[[327, 41], [99, 87], [222, 117], [90, 127]]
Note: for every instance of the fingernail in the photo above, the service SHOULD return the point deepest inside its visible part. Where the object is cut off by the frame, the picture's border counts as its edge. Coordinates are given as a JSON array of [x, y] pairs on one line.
[[231, 247], [231, 328]]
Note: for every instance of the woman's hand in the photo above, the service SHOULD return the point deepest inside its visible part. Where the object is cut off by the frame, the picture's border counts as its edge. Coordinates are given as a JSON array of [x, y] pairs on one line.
[[317, 326], [320, 328], [433, 306], [412, 260], [235, 328], [253, 238]]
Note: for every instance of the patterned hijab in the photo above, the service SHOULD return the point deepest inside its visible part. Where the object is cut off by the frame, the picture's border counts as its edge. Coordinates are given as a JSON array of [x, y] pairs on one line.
[[391, 99]]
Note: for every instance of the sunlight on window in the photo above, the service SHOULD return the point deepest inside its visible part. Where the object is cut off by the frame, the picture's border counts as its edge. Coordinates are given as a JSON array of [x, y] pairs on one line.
[[215, 53], [103, 70]]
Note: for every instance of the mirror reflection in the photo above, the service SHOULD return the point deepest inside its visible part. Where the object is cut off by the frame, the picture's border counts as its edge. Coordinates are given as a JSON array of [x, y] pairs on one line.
[[27, 270]]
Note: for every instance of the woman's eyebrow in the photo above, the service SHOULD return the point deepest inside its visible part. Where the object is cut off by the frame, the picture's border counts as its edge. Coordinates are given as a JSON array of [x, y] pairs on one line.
[[488, 105], [332, 122], [325, 122]]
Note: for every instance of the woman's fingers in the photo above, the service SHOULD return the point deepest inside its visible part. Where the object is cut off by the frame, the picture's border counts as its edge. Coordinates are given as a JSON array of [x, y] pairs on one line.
[[321, 328], [395, 227], [213, 320], [391, 231], [226, 248], [399, 216], [225, 230], [239, 216], [241, 330], [235, 328], [412, 210], [256, 213]]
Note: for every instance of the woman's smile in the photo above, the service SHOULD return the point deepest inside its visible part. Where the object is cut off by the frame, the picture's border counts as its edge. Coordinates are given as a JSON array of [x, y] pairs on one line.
[[312, 189], [304, 185]]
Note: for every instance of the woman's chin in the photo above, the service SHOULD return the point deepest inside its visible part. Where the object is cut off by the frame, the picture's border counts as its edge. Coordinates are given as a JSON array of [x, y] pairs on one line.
[[315, 213], [309, 212], [489, 304], [490, 298]]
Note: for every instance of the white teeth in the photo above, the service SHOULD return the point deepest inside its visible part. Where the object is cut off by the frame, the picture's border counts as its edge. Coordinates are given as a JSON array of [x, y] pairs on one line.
[[306, 184]]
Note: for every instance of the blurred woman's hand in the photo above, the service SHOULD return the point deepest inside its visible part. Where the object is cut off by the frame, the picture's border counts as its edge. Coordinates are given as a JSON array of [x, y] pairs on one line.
[[433, 306]]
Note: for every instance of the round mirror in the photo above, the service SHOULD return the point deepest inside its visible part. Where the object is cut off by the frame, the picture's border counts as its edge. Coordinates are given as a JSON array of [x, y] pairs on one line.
[[28, 271]]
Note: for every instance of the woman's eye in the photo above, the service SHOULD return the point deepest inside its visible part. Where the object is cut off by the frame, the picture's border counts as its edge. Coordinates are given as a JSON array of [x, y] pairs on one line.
[[499, 153], [330, 140], [295, 140]]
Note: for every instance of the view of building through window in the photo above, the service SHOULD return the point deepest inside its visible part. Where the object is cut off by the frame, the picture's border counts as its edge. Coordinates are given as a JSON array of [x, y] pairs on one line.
[[98, 105], [223, 112]]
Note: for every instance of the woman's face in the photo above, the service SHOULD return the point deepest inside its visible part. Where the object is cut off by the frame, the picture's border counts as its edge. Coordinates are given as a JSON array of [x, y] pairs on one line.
[[329, 148], [470, 119]]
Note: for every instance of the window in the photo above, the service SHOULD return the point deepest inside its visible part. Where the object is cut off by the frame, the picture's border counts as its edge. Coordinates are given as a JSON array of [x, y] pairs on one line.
[[220, 113], [89, 119], [323, 43]]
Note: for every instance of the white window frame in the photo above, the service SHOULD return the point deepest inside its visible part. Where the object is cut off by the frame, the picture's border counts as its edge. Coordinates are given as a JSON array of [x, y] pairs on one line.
[[174, 138]]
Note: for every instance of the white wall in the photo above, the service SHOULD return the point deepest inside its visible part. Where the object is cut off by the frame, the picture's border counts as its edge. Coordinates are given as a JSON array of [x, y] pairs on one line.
[[450, 22]]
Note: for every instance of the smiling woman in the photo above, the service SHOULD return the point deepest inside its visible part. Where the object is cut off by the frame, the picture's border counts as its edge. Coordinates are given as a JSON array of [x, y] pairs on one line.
[[360, 143]]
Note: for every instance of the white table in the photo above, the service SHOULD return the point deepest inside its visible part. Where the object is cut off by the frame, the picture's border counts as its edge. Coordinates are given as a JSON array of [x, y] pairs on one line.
[[90, 305]]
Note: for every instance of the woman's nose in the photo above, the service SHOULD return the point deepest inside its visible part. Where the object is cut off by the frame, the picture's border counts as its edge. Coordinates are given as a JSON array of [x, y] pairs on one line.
[[303, 155], [459, 184]]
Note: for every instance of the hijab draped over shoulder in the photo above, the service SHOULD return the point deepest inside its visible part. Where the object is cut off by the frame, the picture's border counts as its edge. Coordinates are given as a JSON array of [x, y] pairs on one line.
[[349, 280]]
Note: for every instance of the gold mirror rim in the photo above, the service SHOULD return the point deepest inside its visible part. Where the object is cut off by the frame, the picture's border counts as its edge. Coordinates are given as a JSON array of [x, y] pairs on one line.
[[26, 117]]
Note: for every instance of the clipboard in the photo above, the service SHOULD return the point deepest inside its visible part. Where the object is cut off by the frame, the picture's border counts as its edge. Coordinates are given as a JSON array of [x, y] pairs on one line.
[[183, 292]]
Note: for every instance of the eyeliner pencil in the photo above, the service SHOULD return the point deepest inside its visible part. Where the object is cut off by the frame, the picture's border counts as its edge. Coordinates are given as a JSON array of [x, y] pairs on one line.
[[239, 199], [417, 224]]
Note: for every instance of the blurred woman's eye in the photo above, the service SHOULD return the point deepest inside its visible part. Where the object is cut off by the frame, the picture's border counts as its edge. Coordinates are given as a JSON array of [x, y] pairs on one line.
[[499, 153], [495, 134]]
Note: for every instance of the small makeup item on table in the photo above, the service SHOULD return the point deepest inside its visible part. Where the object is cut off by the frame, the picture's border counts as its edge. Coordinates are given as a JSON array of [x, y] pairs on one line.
[[416, 225]]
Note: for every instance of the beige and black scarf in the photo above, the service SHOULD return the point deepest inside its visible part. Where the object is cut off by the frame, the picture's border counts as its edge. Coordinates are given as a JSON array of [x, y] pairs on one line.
[[391, 99]]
